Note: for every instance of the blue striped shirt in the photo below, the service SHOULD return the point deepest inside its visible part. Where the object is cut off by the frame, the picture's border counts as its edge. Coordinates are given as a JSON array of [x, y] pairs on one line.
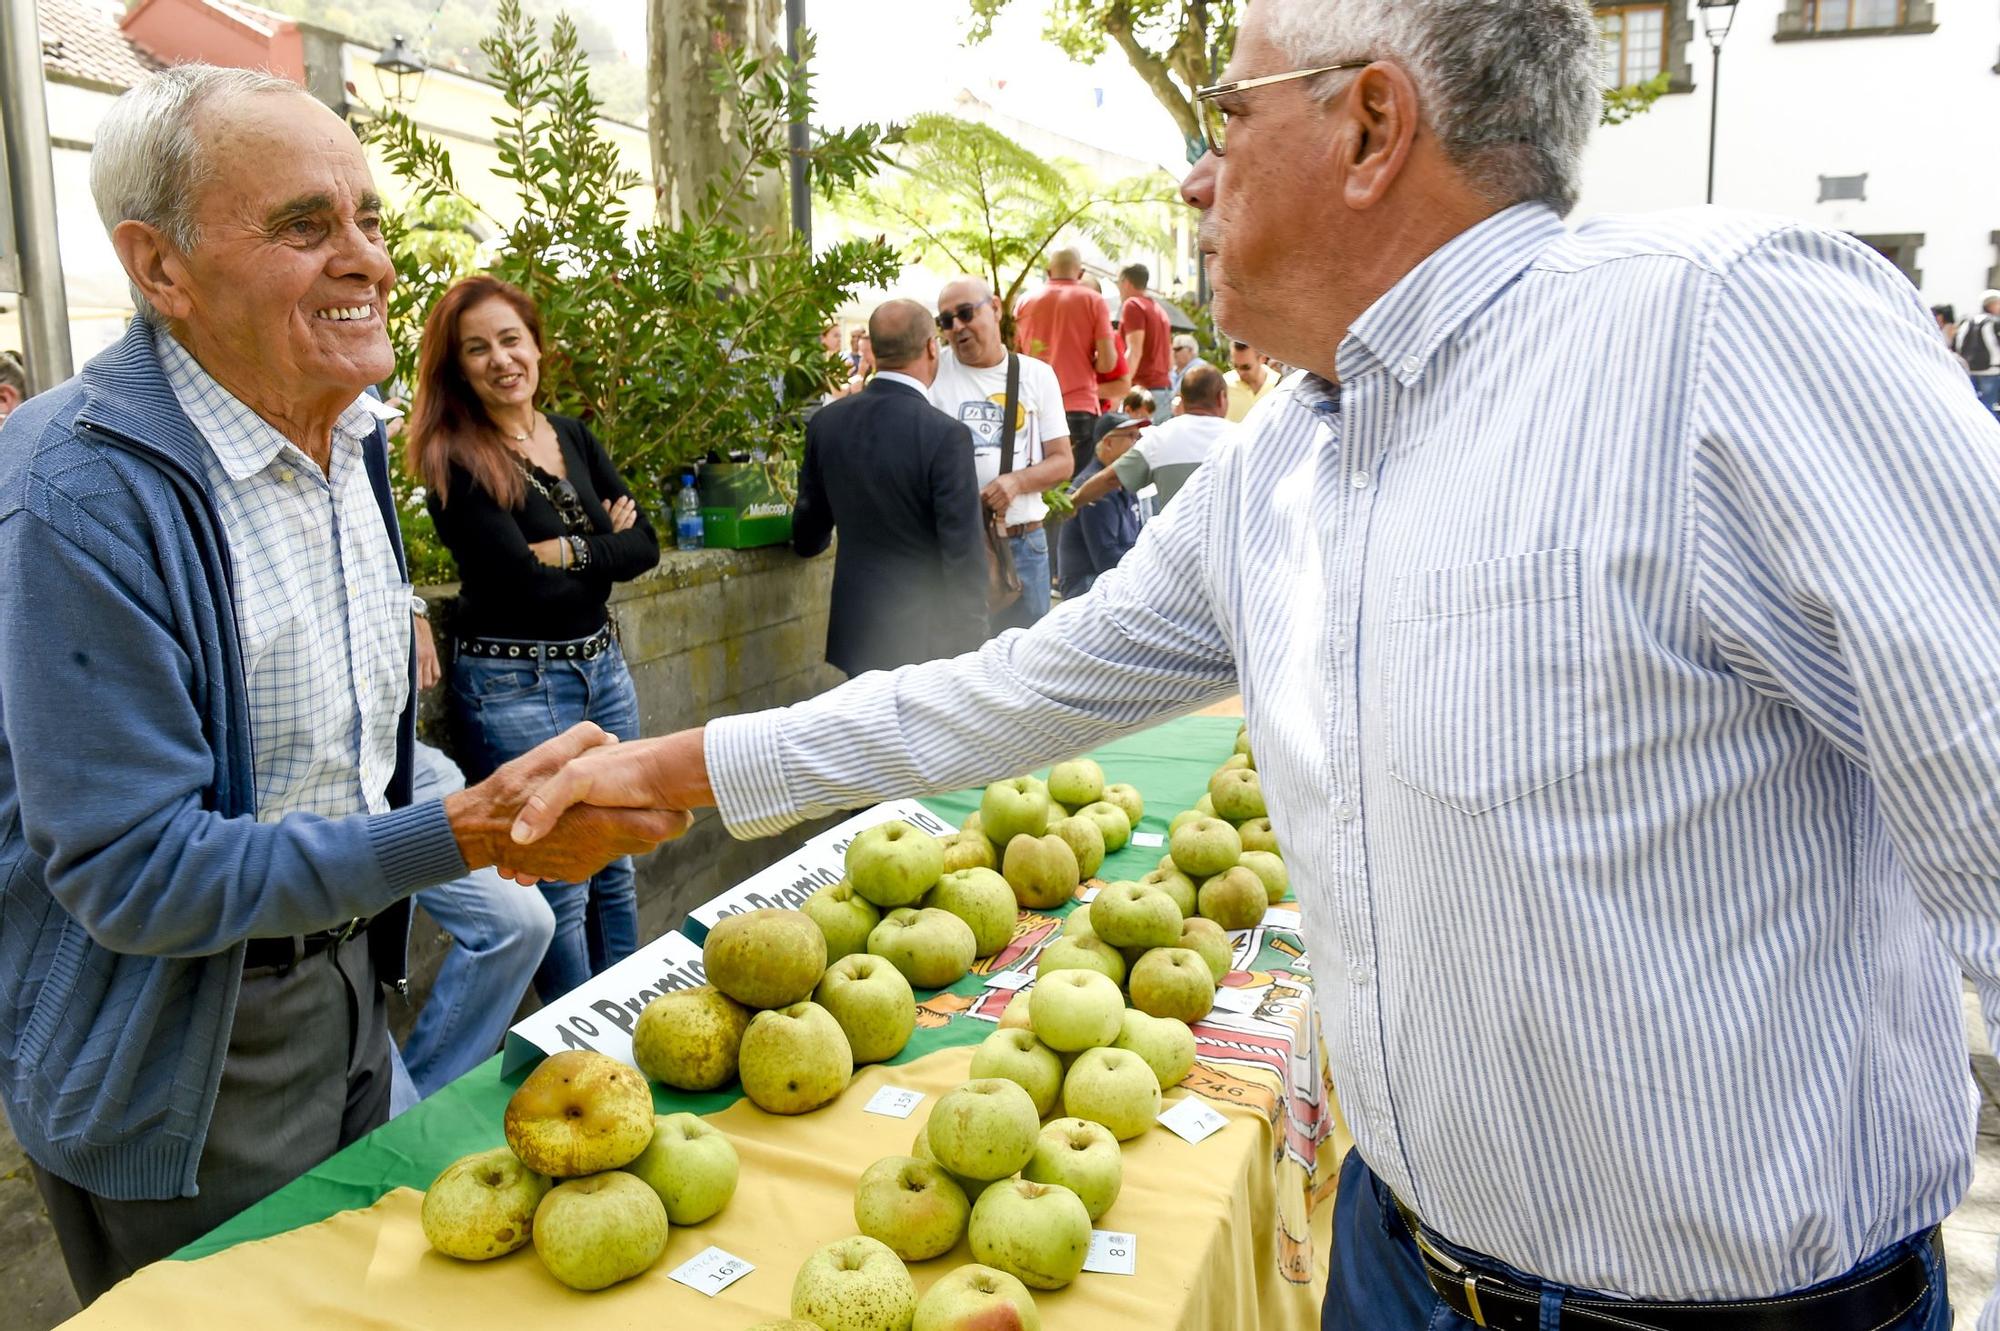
[[1624, 673]]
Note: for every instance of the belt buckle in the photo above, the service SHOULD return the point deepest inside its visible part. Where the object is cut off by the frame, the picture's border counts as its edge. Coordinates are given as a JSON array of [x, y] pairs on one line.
[[354, 926], [1451, 1264]]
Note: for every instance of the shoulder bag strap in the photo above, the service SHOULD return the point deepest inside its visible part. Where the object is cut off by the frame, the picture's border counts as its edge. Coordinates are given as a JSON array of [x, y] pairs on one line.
[[1010, 412]]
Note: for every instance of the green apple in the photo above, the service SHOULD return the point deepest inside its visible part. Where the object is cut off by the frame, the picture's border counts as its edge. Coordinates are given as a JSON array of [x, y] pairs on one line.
[[1073, 1010], [977, 1298], [1235, 899], [1076, 783], [1082, 1156], [1268, 867], [1015, 1015], [578, 1113], [1128, 799], [784, 1324], [1205, 806], [892, 863], [594, 1232], [1165, 1043], [872, 1002], [1039, 1233], [973, 823], [1136, 915], [1183, 818], [1177, 885], [1017, 1056], [1112, 821], [1206, 937], [1076, 924], [1257, 835], [690, 1164], [921, 1149], [1173, 982], [1204, 848], [933, 948], [765, 958], [1243, 742], [1114, 1087], [1087, 952], [855, 1284], [844, 916], [1041, 870], [688, 1038], [1238, 795], [984, 901], [483, 1205], [1017, 807], [911, 1205], [1086, 842], [969, 850], [985, 1129], [795, 1059], [1235, 762]]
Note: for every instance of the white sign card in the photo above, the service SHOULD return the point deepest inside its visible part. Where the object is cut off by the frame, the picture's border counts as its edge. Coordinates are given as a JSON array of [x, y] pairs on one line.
[[600, 1015], [1112, 1253], [781, 886], [1011, 981], [1193, 1119], [711, 1271], [1230, 998], [1148, 840], [910, 811], [893, 1102]]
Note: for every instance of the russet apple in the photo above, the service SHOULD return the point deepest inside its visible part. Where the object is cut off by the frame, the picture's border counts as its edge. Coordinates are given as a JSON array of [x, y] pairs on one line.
[[688, 1038], [969, 850], [1234, 762], [1205, 805], [1086, 842], [1165, 1043], [1238, 795], [1016, 807], [1114, 1087], [1041, 870], [872, 1001], [1177, 885], [1076, 924], [844, 916], [1271, 870], [1173, 982], [1039, 1233], [1205, 847], [1081, 952], [579, 1113], [1183, 818], [1082, 1156], [1015, 1015], [1073, 1010], [1205, 937], [1127, 799], [912, 1205], [1136, 915], [932, 948], [977, 1298], [1243, 741], [795, 1059], [1076, 783], [1019, 1057], [984, 901], [483, 1205], [1235, 899], [765, 958], [985, 1129], [1112, 821], [1256, 834], [593, 1232], [690, 1164], [892, 863], [855, 1284]]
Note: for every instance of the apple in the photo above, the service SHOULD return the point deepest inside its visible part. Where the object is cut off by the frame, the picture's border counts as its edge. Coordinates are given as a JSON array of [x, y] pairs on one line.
[[844, 916], [985, 1129], [1173, 982], [1041, 870], [1076, 783], [855, 1284], [1268, 867], [1073, 1010], [892, 863], [1015, 1015], [1082, 1156], [1177, 885], [1114, 1087], [1182, 819], [690, 1164], [977, 1298], [1205, 805], [1233, 763], [1256, 834], [765, 958], [1018, 807], [1086, 952], [1243, 744], [1017, 1056], [1206, 937], [1238, 795], [969, 850], [1086, 842], [984, 901], [594, 1232], [973, 823], [1235, 899], [688, 1038], [1165, 1043], [1076, 924], [872, 1002], [1136, 915], [911, 1205], [795, 1059], [1128, 799], [1112, 821], [921, 1149], [933, 948], [1204, 848], [483, 1205], [784, 1324], [1039, 1233], [578, 1113]]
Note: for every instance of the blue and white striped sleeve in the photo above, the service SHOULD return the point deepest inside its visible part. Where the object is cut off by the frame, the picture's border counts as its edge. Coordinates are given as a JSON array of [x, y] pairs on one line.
[[1145, 644]]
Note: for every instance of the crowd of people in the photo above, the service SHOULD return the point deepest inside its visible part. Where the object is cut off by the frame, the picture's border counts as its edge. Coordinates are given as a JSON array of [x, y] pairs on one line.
[[1975, 340]]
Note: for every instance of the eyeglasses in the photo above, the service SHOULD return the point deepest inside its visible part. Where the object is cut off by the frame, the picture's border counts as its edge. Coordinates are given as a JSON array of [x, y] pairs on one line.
[[1215, 120], [963, 314]]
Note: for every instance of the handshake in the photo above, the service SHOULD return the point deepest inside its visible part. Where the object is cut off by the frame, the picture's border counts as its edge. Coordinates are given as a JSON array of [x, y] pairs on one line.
[[567, 808]]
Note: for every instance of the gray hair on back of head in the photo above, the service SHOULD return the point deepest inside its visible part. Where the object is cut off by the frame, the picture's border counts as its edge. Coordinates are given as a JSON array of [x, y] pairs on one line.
[[147, 164], [1511, 88]]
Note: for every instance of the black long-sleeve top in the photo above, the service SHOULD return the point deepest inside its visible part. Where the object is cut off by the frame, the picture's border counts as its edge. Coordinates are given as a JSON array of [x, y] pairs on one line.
[[505, 591]]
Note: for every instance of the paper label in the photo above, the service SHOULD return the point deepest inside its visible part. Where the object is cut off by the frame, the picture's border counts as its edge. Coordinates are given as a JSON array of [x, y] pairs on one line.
[[1241, 1001], [1011, 981], [1148, 840], [711, 1271], [600, 1014], [916, 815], [1088, 895], [893, 1102], [1192, 1119], [1112, 1253]]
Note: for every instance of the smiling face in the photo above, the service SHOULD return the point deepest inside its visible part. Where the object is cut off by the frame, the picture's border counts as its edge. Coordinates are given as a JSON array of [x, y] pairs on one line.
[[498, 357]]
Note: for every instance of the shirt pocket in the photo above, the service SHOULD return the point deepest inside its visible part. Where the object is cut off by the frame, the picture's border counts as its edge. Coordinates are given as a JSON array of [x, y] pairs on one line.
[[1486, 679]]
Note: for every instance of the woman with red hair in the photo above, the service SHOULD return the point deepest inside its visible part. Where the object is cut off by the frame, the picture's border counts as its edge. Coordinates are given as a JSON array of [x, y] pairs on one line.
[[541, 525]]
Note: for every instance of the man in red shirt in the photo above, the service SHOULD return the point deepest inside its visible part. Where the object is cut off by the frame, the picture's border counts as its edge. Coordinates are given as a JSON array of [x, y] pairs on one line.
[[1148, 340], [1067, 325]]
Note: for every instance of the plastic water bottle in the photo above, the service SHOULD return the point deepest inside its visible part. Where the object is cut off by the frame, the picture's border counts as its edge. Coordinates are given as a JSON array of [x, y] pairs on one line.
[[687, 515]]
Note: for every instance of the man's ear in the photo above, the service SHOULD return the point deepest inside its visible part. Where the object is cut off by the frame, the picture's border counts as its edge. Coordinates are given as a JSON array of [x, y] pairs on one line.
[[1382, 121], [155, 266]]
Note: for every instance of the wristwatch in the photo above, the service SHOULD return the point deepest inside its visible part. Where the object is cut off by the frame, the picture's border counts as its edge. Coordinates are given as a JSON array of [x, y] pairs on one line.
[[419, 606]]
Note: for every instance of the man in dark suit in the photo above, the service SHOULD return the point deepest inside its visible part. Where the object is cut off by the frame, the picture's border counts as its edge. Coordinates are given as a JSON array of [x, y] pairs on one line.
[[895, 474]]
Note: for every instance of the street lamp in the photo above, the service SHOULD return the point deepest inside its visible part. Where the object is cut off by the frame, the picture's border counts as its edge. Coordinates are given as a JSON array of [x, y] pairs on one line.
[[1716, 17], [399, 72]]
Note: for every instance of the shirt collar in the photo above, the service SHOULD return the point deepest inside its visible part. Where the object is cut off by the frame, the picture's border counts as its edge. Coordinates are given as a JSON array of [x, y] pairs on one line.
[[1405, 327], [243, 442], [892, 377]]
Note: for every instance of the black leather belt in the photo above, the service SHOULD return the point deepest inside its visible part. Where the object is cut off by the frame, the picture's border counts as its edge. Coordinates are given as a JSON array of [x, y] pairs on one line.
[[1865, 1303], [284, 953], [511, 649]]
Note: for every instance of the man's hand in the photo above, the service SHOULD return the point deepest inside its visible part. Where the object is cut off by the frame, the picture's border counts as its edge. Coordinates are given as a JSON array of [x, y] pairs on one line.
[[1001, 491], [429, 671], [667, 777]]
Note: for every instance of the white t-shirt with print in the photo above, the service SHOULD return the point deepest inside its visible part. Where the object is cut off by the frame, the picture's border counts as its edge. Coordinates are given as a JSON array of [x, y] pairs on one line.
[[978, 398]]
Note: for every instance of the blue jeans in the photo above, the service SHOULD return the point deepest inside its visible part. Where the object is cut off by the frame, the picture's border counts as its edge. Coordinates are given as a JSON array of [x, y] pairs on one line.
[[1376, 1280], [1988, 388], [501, 709], [1031, 561]]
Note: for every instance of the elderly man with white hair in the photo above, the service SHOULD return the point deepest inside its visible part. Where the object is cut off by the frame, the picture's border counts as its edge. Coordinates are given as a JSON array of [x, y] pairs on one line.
[[206, 834], [1627, 699]]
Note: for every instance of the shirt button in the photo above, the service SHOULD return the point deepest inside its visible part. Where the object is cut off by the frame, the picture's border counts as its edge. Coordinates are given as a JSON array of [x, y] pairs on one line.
[[285, 475], [1344, 812], [1360, 973], [1359, 480], [1411, 364]]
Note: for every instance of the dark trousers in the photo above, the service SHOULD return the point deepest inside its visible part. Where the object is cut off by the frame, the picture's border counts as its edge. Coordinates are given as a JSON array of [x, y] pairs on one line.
[[1082, 447], [307, 1072]]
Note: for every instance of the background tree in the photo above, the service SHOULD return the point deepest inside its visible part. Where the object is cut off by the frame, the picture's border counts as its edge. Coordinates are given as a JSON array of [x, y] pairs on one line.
[[690, 103]]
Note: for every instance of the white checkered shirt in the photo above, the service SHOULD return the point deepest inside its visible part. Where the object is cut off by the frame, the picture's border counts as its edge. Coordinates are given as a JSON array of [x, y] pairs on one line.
[[323, 613]]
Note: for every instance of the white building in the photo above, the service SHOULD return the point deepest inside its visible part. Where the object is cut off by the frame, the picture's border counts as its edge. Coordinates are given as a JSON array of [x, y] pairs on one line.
[[1865, 116]]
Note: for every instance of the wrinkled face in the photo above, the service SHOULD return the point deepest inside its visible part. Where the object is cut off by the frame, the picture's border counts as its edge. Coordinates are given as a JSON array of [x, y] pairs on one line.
[[975, 341], [498, 356]]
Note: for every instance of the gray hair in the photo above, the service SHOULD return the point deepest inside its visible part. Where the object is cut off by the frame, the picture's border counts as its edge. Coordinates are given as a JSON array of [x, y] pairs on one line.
[[1511, 88], [148, 165]]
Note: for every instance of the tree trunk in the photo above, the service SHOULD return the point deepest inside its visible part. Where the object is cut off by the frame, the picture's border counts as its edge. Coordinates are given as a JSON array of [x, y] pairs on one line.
[[692, 130]]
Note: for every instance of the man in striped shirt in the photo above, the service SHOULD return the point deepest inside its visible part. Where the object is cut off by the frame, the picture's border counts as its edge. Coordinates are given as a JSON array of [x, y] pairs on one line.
[[1630, 703]]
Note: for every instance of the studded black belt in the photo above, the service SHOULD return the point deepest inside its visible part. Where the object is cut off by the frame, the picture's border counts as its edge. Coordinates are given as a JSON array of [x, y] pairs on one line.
[[514, 649]]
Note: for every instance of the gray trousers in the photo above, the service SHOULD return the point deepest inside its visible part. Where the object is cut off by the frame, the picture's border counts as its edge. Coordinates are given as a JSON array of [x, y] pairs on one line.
[[307, 1072]]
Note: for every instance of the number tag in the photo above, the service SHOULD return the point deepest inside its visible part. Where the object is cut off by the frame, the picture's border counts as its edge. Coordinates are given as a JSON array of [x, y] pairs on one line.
[[1149, 840], [1193, 1119], [1242, 1001], [1112, 1253], [1088, 895], [893, 1102], [1011, 981], [711, 1271]]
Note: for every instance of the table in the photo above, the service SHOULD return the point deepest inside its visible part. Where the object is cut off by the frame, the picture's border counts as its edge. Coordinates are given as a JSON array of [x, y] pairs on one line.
[[1232, 1231]]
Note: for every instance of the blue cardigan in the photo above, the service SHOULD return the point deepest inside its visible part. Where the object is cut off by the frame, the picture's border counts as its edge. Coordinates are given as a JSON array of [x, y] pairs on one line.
[[132, 864]]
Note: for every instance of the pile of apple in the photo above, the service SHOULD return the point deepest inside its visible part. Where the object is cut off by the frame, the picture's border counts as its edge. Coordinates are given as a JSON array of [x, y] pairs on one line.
[[1226, 845], [1045, 837]]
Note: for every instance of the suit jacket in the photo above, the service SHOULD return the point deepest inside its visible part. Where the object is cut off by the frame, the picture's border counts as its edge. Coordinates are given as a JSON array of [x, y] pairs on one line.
[[909, 579]]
